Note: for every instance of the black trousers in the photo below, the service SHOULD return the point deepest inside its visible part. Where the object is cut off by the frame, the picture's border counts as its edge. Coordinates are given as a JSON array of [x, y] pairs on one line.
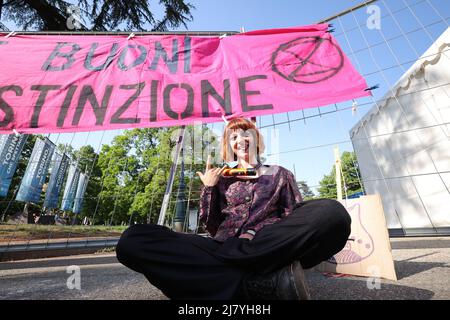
[[188, 266]]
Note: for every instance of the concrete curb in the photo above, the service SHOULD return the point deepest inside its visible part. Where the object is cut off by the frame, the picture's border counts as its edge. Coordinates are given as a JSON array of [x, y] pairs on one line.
[[13, 252]]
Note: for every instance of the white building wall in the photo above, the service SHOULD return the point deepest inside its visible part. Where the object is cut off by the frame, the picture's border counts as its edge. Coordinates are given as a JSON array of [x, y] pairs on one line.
[[411, 169]]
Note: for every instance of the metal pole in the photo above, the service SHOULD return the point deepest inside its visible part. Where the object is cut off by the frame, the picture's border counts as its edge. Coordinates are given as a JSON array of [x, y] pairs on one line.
[[180, 208], [365, 3], [3, 27], [338, 172], [125, 33], [165, 203]]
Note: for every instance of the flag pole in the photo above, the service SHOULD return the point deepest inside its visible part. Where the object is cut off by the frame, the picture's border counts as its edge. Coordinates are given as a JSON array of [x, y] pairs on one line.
[[165, 203]]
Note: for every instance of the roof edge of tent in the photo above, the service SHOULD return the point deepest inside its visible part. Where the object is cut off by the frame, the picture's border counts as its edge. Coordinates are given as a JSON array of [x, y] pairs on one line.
[[405, 80]]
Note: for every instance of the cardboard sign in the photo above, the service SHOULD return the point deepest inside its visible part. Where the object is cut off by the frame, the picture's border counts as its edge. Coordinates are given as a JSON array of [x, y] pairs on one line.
[[368, 251], [70, 83]]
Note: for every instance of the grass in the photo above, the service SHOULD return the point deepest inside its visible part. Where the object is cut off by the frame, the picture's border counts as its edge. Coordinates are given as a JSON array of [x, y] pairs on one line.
[[106, 250], [25, 232]]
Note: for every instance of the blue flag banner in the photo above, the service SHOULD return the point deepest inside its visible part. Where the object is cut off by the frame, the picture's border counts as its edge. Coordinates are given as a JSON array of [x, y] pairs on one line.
[[59, 169], [81, 189], [71, 187], [10, 150], [33, 180]]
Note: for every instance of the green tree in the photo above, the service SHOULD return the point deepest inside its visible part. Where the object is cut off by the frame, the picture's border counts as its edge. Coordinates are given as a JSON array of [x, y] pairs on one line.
[[67, 149], [118, 168], [97, 15], [327, 187], [351, 173], [305, 190], [134, 175], [157, 162], [87, 160], [157, 155]]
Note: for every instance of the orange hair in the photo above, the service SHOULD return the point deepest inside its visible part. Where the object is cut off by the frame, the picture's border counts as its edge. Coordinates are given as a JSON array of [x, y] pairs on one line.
[[244, 124]]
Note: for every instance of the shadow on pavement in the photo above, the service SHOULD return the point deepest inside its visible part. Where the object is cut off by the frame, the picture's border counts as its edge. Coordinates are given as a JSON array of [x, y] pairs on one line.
[[351, 289], [407, 268]]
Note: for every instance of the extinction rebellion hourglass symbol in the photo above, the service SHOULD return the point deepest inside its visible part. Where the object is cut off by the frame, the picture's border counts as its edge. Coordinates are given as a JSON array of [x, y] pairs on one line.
[[315, 59]]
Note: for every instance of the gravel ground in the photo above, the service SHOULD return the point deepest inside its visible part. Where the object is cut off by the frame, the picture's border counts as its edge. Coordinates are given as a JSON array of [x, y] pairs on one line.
[[422, 266]]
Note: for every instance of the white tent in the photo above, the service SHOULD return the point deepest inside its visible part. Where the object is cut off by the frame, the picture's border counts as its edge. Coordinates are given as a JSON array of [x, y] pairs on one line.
[[403, 146]]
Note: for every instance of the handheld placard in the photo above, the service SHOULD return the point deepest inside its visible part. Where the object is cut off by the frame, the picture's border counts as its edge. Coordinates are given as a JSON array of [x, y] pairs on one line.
[[239, 172]]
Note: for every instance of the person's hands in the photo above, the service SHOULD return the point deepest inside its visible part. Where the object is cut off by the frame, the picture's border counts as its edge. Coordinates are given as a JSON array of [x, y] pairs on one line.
[[211, 175], [247, 236]]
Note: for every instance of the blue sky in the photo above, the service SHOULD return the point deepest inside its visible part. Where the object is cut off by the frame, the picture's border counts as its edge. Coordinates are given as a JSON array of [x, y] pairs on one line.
[[308, 145]]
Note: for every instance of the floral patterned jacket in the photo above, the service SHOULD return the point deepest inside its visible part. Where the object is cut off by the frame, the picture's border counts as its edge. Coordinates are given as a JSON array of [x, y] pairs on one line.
[[235, 205]]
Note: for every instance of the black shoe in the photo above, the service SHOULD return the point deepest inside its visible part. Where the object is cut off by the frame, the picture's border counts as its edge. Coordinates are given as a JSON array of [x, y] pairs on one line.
[[288, 283]]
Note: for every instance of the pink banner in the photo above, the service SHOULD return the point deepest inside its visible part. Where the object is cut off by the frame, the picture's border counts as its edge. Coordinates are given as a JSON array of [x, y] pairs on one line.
[[70, 83]]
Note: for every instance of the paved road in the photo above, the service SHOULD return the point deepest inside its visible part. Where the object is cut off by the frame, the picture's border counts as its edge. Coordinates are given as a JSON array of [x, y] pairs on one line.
[[422, 266]]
